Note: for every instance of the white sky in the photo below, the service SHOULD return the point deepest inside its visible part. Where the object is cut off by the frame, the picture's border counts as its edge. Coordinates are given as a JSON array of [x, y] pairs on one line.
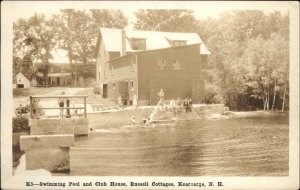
[[201, 9]]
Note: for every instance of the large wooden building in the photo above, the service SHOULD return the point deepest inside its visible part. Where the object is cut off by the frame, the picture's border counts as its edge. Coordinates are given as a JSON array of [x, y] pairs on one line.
[[60, 72], [143, 62]]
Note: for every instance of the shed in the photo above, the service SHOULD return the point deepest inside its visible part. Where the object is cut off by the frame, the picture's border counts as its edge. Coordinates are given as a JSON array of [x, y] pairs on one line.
[[22, 81]]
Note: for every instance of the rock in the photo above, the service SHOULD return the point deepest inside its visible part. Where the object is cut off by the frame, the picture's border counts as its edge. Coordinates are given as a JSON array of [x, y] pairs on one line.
[[217, 116], [226, 111], [46, 151]]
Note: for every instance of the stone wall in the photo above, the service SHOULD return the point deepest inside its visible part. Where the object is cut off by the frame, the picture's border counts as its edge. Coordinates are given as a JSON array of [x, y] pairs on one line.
[[46, 151], [49, 142], [76, 126]]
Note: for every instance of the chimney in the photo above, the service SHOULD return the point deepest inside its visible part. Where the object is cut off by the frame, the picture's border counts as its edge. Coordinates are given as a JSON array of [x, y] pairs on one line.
[[123, 42]]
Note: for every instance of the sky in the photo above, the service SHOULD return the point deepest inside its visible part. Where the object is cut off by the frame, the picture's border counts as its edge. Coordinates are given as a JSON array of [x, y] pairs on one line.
[[201, 10]]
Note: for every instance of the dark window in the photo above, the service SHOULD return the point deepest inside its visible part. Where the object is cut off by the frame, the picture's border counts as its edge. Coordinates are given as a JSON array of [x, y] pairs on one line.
[[176, 43], [138, 44], [162, 65], [131, 85], [20, 86], [176, 65]]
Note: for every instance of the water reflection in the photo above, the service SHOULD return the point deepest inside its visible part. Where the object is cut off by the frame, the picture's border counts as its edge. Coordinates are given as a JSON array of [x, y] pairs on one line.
[[233, 147]]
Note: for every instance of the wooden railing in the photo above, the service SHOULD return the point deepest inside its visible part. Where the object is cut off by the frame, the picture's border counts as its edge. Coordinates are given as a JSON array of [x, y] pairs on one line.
[[32, 98]]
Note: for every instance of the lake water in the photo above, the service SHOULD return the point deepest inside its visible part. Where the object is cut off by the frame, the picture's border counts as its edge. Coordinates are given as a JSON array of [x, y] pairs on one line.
[[253, 146]]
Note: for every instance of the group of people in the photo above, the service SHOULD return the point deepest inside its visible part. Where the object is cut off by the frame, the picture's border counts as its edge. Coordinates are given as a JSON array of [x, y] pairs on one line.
[[146, 122], [187, 103], [121, 103], [175, 106]]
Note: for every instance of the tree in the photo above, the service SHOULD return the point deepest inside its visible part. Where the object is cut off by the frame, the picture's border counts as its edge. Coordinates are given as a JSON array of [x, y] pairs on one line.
[[78, 31], [167, 20], [249, 60], [108, 18], [33, 40]]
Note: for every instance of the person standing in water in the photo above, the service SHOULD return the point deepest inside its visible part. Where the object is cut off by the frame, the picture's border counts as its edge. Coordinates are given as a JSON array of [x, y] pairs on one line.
[[190, 104], [186, 105], [161, 95]]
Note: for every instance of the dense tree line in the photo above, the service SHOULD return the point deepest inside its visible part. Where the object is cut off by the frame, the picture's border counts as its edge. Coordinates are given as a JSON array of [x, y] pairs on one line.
[[250, 49], [250, 59]]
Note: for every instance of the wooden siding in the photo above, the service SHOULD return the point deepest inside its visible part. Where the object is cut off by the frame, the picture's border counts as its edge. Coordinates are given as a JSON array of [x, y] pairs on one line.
[[119, 72], [175, 83], [103, 57]]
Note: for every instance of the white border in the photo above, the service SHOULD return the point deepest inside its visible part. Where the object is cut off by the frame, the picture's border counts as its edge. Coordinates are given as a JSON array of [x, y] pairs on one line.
[[12, 10]]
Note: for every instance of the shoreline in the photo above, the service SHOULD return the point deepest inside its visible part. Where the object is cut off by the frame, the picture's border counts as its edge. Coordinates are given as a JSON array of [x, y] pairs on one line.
[[117, 118]]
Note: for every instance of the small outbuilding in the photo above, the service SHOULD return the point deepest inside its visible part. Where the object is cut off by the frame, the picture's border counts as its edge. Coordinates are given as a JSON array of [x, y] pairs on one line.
[[22, 81]]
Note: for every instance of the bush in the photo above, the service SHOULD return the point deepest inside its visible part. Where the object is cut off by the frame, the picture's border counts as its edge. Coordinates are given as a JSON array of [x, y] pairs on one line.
[[210, 98], [211, 95], [20, 124]]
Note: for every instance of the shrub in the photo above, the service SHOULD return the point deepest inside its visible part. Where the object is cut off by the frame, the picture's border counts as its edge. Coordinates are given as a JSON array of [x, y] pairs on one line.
[[20, 124]]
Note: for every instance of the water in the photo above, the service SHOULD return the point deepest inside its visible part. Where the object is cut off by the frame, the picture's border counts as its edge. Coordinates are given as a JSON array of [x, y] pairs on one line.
[[256, 146]]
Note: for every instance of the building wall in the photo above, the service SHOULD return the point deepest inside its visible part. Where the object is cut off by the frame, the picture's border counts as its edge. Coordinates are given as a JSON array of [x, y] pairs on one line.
[[103, 57], [22, 80], [183, 83], [102, 67], [121, 71]]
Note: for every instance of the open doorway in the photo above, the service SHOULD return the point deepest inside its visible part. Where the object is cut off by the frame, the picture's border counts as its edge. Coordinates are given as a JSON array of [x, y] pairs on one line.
[[105, 89], [124, 92]]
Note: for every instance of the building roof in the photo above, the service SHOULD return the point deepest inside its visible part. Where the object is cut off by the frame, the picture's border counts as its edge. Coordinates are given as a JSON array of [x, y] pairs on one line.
[[59, 74], [22, 75], [154, 40], [154, 50]]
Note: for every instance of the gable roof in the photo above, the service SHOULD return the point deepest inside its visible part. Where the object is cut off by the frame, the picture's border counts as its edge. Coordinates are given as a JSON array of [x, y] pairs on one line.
[[154, 40], [20, 74], [154, 50]]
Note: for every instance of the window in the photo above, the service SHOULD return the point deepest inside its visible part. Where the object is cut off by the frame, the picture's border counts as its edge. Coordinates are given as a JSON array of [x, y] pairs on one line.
[[114, 86], [162, 65], [138, 44], [176, 43], [131, 85], [176, 65]]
